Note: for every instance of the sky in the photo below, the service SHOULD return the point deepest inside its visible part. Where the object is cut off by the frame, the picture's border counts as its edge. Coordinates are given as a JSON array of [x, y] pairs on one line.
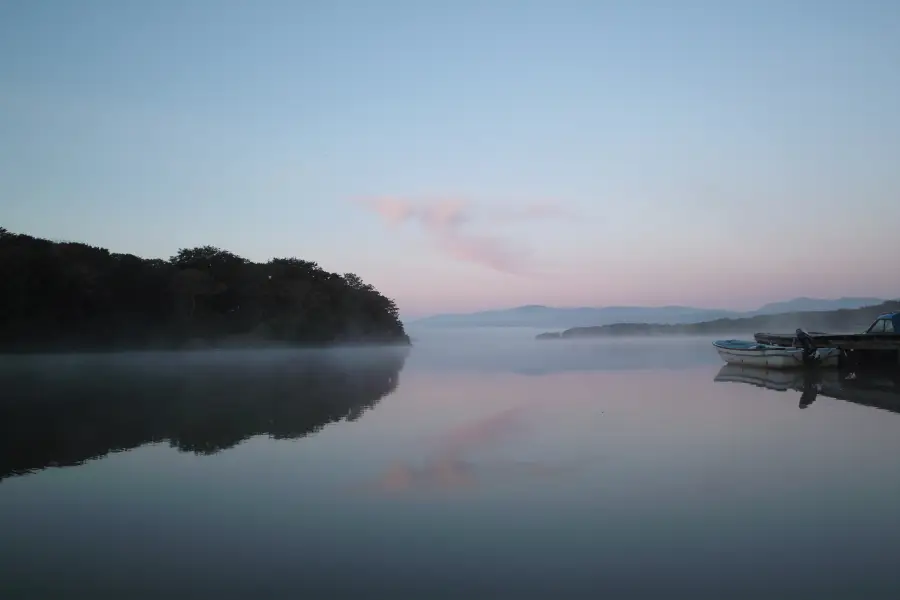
[[472, 154]]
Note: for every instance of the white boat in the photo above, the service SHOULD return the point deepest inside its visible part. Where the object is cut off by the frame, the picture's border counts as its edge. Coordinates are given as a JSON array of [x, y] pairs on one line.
[[779, 380], [754, 354]]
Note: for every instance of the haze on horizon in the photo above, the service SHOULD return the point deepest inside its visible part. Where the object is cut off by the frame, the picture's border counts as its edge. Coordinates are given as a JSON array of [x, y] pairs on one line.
[[471, 155]]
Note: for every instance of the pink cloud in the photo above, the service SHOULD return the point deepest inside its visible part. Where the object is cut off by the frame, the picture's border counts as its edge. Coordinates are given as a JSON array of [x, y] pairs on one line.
[[436, 217], [486, 251], [534, 211], [445, 223], [393, 211], [444, 216]]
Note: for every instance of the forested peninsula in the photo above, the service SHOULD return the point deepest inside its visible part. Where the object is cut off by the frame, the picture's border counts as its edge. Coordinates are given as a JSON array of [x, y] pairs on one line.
[[69, 296]]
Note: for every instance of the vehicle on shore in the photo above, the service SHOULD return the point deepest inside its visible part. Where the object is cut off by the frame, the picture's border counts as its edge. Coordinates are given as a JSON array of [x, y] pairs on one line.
[[885, 328]]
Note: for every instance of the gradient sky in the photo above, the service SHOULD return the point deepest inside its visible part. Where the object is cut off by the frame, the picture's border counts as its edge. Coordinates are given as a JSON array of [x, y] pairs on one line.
[[470, 154]]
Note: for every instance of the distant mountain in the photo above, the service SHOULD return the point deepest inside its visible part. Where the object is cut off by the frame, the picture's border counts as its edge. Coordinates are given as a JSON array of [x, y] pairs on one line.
[[814, 304], [844, 320], [549, 317]]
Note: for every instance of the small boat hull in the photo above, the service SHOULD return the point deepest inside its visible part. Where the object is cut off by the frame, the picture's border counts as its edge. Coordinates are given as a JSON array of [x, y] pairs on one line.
[[780, 380], [735, 352]]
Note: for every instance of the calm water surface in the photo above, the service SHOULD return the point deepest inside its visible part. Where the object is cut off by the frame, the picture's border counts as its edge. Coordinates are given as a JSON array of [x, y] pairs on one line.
[[472, 466]]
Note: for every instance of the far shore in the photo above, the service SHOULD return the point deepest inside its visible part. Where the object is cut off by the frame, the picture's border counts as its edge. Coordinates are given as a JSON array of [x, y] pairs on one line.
[[837, 321]]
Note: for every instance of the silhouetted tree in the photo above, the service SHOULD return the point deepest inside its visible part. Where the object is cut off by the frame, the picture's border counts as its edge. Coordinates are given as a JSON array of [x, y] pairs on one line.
[[65, 295]]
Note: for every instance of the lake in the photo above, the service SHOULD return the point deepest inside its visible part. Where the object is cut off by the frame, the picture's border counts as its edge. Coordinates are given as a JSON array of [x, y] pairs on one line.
[[474, 465]]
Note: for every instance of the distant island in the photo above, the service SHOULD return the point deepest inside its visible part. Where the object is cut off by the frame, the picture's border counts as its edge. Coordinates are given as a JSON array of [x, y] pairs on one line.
[[68, 296], [536, 315], [836, 321]]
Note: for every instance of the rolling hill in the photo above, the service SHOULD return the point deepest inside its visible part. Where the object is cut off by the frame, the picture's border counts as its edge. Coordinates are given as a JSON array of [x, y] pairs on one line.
[[835, 321], [561, 317]]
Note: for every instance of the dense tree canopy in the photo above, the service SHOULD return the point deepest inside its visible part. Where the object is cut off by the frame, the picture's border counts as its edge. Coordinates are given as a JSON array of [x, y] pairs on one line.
[[64, 295]]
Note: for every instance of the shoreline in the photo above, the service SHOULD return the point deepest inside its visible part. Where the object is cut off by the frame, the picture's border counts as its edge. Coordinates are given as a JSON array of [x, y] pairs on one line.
[[204, 346], [846, 320]]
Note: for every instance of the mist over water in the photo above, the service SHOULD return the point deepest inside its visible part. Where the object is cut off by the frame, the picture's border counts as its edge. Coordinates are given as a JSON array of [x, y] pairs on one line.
[[514, 349], [479, 463]]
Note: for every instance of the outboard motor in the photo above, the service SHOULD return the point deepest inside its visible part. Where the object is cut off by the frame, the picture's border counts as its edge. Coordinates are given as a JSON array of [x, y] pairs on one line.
[[810, 390], [809, 347], [808, 397]]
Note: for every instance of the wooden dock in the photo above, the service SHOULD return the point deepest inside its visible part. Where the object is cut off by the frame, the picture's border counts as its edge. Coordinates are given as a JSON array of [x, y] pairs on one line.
[[842, 341], [865, 347], [879, 343]]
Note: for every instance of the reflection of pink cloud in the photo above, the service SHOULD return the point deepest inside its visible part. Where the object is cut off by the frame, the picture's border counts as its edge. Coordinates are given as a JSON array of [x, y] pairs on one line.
[[441, 474], [445, 223], [448, 470], [450, 473], [484, 430]]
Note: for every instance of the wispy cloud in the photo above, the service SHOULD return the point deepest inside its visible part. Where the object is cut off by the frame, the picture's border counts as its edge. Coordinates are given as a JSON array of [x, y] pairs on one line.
[[531, 212], [447, 223]]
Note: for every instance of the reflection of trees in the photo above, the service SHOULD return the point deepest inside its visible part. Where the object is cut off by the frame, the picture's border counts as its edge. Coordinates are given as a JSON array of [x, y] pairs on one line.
[[875, 388], [54, 414]]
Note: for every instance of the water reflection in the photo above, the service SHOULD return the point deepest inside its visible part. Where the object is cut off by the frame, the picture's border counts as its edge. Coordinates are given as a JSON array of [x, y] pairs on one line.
[[518, 352], [877, 389], [467, 483], [453, 464], [62, 411]]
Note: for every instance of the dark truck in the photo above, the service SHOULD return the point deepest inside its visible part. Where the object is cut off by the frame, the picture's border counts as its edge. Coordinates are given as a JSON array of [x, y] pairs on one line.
[[886, 323]]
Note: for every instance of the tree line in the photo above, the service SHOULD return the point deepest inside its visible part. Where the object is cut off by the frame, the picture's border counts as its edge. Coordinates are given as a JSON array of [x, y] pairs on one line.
[[72, 296]]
